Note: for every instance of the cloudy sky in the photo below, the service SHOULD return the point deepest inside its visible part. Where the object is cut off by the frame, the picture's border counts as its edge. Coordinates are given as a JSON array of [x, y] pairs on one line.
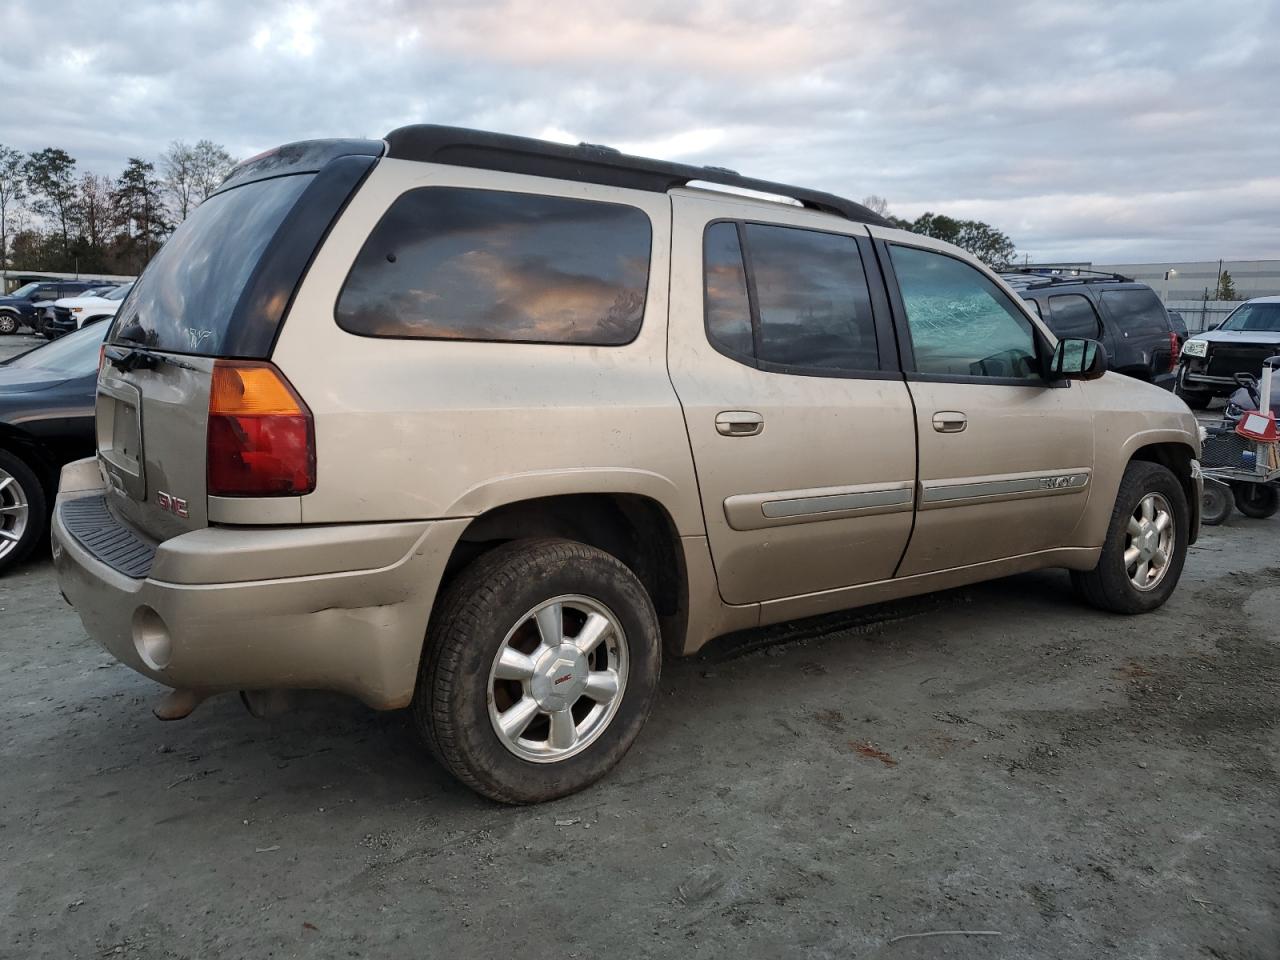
[[1098, 131]]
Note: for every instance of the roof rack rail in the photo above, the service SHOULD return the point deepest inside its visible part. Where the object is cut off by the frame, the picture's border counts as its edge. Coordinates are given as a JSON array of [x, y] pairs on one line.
[[1068, 274], [591, 163]]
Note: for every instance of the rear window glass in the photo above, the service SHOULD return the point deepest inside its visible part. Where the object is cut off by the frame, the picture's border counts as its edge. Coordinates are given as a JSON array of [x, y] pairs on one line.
[[815, 310], [459, 264], [1136, 310], [1072, 315], [185, 299], [727, 305]]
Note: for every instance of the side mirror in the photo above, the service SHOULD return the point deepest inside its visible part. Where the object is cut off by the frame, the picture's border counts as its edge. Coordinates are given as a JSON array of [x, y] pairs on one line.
[[1075, 359]]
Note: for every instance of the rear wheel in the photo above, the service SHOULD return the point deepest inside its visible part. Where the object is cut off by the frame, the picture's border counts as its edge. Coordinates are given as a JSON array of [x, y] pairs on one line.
[[8, 324], [1146, 543], [22, 510], [541, 668], [1215, 505], [1257, 500]]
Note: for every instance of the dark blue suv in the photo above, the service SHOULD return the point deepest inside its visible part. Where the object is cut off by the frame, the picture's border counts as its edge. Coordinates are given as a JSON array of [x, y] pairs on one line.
[[18, 309]]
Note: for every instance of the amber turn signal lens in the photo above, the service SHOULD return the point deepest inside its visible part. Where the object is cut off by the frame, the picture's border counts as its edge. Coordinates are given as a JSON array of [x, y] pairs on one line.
[[253, 390]]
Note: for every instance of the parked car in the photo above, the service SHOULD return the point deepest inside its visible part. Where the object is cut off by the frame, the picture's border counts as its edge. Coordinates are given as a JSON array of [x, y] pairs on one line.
[[72, 313], [1179, 324], [19, 309], [483, 425], [46, 420], [1211, 360], [45, 308], [1126, 316]]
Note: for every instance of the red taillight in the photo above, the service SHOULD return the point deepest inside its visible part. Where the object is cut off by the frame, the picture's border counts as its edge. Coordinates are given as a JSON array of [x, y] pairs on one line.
[[261, 440], [102, 355], [1175, 351]]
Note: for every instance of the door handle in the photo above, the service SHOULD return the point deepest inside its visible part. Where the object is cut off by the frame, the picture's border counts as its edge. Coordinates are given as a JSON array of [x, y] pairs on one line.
[[949, 421], [739, 423]]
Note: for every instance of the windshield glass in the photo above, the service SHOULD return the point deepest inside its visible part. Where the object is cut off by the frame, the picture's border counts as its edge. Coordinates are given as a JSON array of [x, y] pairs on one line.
[[1258, 317], [74, 355], [119, 293], [185, 300], [25, 290]]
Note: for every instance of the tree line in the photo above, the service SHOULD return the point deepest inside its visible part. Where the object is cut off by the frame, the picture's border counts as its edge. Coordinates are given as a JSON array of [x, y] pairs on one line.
[[57, 218], [991, 246]]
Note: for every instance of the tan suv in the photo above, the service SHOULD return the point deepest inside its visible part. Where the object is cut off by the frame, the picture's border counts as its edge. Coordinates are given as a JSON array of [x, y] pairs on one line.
[[484, 426]]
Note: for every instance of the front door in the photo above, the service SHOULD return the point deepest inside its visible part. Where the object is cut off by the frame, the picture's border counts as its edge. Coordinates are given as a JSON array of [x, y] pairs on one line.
[[1006, 458], [798, 417]]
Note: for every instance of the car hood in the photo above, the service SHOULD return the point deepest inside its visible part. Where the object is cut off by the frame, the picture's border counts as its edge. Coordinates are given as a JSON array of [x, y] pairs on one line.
[[28, 379], [1240, 336]]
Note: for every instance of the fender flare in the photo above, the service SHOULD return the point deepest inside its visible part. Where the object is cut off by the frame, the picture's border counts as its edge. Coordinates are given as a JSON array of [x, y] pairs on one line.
[[685, 511]]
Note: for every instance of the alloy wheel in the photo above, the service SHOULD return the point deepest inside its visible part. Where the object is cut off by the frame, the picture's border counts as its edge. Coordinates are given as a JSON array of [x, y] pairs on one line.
[[1149, 542], [558, 679], [14, 513]]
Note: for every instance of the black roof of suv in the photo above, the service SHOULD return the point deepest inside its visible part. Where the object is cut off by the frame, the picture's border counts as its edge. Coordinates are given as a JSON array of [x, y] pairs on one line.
[[1123, 314]]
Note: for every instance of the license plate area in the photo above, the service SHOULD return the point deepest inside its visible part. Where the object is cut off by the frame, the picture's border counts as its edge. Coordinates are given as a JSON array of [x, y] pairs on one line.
[[119, 436]]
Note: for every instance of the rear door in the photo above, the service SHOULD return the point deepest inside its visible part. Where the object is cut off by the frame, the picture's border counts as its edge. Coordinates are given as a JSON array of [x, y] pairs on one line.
[[800, 424], [218, 288]]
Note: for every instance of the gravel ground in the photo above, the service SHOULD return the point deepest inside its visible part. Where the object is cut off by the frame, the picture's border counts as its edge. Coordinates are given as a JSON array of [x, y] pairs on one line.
[[995, 758]]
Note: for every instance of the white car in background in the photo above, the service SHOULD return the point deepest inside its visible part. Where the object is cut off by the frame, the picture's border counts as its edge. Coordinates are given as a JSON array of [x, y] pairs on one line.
[[72, 313]]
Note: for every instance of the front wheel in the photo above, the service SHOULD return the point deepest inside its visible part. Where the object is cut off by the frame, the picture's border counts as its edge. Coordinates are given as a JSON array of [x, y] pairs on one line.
[[8, 324], [1257, 500], [1146, 543], [541, 667]]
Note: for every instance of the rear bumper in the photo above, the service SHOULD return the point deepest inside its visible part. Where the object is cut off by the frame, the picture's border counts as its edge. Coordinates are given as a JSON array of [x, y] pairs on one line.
[[357, 631]]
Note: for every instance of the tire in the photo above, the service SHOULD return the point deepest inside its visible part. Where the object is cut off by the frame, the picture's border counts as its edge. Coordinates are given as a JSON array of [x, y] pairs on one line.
[[1215, 506], [8, 324], [23, 507], [1257, 500], [488, 607], [1195, 399], [1111, 584]]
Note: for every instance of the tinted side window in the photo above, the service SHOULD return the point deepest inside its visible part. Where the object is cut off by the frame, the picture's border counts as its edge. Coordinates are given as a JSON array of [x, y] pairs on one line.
[[1136, 311], [1072, 315], [961, 323], [727, 305], [458, 264], [46, 292], [812, 296]]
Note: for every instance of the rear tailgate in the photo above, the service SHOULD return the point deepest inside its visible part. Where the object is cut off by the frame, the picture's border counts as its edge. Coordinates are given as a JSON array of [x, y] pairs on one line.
[[151, 426], [218, 289]]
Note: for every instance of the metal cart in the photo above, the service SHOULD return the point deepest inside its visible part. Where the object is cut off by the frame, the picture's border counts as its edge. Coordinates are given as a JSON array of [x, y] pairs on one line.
[[1240, 472]]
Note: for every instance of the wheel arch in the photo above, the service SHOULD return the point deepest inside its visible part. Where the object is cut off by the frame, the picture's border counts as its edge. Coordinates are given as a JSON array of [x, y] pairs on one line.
[[638, 529], [1175, 455]]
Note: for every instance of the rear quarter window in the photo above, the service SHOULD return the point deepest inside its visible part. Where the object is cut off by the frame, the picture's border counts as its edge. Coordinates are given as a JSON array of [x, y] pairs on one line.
[[1136, 311], [452, 263]]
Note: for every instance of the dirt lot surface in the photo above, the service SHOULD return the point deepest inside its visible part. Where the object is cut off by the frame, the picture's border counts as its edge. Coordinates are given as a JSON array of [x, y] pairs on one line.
[[991, 759]]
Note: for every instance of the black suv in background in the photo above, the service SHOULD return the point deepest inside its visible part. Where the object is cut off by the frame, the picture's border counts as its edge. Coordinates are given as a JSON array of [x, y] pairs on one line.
[[1123, 314], [18, 309]]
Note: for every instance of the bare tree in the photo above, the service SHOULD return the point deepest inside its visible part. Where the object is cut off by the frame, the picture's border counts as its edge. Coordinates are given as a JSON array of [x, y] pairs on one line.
[[212, 164], [876, 204], [13, 189], [191, 173], [177, 167], [95, 212]]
